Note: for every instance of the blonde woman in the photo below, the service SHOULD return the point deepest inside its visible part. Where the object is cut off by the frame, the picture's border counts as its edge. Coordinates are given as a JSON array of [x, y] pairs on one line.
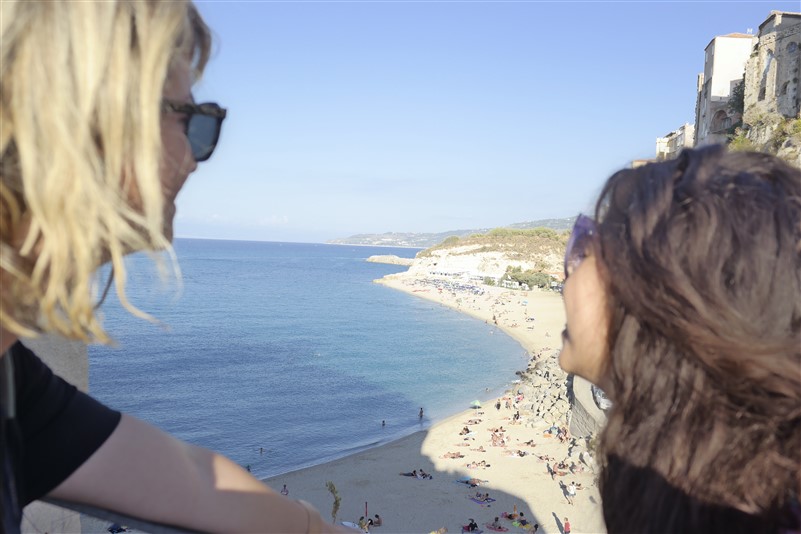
[[98, 133]]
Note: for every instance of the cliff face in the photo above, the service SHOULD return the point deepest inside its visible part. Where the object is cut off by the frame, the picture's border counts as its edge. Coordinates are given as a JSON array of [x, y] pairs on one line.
[[489, 255], [474, 260], [771, 119]]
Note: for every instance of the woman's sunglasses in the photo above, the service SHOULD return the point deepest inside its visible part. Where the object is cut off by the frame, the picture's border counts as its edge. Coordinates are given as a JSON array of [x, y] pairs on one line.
[[203, 125], [580, 238]]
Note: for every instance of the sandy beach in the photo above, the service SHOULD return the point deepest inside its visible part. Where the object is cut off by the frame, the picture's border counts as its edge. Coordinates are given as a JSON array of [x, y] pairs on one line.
[[511, 451], [517, 465]]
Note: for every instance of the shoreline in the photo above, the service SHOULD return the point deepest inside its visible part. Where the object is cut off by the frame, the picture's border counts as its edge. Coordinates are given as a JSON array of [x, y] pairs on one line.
[[371, 477]]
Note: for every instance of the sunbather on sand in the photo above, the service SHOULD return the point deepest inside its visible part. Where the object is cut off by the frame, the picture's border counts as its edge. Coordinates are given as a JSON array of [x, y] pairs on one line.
[[472, 482], [483, 497], [471, 526]]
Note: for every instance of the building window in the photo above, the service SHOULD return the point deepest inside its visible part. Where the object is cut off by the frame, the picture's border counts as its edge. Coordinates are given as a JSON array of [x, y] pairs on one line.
[[784, 88], [763, 83]]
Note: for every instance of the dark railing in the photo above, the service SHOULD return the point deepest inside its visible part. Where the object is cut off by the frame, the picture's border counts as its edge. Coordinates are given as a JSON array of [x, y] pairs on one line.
[[120, 518]]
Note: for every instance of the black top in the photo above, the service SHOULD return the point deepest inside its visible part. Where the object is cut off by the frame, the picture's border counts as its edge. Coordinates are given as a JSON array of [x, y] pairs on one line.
[[48, 429]]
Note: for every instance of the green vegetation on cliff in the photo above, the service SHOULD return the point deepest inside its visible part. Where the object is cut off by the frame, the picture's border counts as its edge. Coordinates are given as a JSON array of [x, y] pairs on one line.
[[782, 130], [530, 277], [784, 140]]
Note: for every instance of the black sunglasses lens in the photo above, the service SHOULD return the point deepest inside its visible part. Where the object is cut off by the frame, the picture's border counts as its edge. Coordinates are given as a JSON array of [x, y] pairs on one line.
[[203, 133], [577, 244]]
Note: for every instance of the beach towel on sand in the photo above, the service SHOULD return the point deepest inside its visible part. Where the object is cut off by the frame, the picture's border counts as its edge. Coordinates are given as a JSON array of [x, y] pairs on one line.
[[496, 529], [481, 501]]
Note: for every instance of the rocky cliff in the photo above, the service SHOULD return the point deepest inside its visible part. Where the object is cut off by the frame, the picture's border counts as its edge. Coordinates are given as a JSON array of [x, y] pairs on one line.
[[489, 255], [390, 259]]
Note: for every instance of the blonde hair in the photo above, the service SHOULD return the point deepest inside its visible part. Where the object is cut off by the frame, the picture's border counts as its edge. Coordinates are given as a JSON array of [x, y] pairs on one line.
[[80, 105]]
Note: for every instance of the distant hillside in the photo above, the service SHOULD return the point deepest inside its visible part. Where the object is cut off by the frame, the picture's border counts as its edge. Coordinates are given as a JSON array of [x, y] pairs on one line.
[[425, 240]]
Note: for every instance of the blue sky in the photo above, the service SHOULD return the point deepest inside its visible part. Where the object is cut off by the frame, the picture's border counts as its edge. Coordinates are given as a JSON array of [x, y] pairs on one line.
[[351, 117]]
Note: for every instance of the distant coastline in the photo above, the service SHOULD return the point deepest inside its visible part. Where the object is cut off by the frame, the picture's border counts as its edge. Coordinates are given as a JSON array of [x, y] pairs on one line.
[[371, 245], [430, 239]]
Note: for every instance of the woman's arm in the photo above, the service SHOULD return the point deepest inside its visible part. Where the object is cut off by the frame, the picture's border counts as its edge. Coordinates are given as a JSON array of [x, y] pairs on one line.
[[144, 472]]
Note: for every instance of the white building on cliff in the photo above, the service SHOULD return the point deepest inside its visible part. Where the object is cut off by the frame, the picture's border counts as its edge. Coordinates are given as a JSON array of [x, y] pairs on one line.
[[724, 65], [668, 147]]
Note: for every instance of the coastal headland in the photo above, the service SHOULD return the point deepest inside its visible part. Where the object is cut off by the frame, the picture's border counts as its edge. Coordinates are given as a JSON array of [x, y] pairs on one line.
[[515, 448]]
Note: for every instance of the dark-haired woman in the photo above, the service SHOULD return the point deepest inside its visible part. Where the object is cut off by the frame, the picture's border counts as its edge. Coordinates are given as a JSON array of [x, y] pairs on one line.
[[683, 302]]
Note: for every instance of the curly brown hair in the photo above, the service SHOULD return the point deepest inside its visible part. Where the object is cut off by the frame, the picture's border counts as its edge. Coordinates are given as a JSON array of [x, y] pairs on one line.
[[702, 256]]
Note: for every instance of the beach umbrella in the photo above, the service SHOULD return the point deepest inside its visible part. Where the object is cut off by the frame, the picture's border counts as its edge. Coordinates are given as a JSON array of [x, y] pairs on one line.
[[475, 404]]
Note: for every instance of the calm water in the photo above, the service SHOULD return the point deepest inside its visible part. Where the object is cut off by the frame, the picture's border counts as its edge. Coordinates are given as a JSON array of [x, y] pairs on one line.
[[292, 348]]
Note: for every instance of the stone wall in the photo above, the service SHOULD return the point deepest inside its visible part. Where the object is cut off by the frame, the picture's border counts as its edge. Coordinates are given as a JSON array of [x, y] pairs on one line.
[[586, 418], [772, 76]]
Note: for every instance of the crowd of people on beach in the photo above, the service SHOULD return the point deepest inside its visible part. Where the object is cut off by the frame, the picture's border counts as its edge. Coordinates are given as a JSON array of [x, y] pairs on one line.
[[453, 287], [498, 435]]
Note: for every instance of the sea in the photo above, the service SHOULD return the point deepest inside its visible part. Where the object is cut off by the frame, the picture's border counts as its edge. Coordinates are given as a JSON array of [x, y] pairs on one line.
[[286, 355]]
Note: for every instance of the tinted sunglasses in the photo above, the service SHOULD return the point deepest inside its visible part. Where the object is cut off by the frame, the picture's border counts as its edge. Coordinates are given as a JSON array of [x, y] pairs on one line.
[[580, 239], [203, 125]]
